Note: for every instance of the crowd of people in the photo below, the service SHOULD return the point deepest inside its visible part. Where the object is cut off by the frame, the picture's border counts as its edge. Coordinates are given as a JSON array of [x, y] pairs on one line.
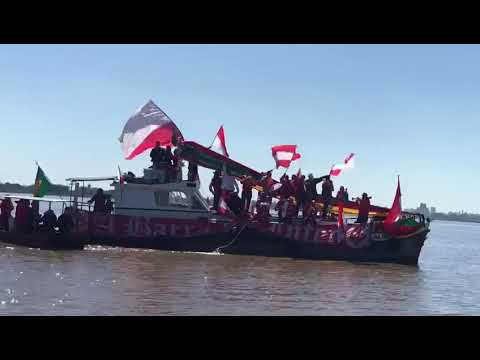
[[164, 158], [28, 219], [295, 193]]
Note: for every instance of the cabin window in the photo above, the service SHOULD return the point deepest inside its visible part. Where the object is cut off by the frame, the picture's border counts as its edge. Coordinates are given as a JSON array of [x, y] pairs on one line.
[[178, 198], [161, 198], [196, 204]]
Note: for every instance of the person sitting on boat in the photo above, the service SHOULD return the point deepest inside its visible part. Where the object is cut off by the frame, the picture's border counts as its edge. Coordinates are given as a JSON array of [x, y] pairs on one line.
[[65, 221], [6, 209], [327, 190], [48, 221], [216, 188], [247, 186], [99, 201], [364, 208], [108, 205], [157, 155], [192, 171]]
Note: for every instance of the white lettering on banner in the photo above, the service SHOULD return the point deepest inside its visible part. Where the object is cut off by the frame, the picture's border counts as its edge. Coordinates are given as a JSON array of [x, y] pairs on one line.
[[159, 229], [142, 229]]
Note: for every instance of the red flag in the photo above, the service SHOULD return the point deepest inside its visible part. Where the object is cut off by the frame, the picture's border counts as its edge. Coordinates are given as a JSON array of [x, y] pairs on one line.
[[347, 164], [284, 155], [147, 126], [340, 215], [219, 144], [396, 209]]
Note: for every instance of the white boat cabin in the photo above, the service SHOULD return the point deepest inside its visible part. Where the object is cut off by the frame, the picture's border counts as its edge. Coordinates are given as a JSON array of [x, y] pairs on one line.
[[146, 196]]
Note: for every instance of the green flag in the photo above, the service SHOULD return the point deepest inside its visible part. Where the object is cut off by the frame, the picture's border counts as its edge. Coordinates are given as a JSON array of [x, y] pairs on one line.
[[42, 184]]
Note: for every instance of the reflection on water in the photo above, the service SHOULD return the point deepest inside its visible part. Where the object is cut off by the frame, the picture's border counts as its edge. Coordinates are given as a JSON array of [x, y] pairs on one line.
[[115, 281]]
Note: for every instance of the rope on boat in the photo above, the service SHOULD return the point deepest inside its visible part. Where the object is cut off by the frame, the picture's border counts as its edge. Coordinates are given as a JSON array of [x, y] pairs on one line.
[[217, 250]]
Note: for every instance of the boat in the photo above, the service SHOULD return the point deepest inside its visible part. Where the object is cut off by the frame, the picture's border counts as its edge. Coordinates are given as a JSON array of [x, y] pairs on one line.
[[151, 213], [37, 238]]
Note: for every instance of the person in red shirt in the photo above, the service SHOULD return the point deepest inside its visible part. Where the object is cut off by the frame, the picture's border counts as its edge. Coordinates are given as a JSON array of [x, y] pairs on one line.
[[364, 208], [6, 209]]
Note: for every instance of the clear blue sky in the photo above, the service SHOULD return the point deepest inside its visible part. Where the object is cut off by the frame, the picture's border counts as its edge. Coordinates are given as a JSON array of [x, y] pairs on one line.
[[411, 110]]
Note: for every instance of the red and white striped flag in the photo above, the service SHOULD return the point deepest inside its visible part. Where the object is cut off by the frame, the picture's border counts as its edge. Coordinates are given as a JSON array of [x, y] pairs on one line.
[[347, 164], [219, 144], [284, 155], [144, 128]]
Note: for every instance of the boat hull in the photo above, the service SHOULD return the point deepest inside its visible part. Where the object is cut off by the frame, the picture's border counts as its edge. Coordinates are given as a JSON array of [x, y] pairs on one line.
[[43, 240], [359, 242]]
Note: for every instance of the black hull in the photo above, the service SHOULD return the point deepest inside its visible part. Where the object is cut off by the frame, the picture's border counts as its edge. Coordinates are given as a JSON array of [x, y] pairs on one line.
[[395, 250], [43, 240], [253, 243]]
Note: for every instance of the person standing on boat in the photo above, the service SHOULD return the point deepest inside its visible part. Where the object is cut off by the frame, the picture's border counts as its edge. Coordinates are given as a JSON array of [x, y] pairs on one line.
[[327, 190], [341, 194], [364, 208], [20, 215], [216, 188], [192, 171], [300, 193], [345, 198], [311, 186], [229, 186], [177, 165], [247, 186], [170, 170], [99, 201], [157, 155], [6, 209]]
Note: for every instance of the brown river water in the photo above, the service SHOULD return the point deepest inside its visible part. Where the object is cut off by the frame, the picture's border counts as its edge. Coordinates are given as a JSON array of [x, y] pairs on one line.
[[115, 281]]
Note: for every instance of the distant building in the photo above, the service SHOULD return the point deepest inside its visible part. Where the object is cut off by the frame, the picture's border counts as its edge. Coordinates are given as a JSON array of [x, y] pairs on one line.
[[423, 209]]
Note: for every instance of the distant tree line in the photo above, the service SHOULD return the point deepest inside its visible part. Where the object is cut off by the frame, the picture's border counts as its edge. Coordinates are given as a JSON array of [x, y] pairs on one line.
[[59, 190]]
